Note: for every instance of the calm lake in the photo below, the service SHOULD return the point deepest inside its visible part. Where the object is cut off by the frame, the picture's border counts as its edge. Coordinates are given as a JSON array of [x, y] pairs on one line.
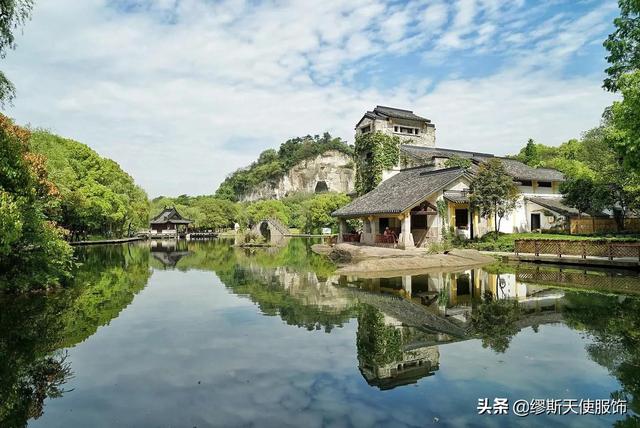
[[203, 334]]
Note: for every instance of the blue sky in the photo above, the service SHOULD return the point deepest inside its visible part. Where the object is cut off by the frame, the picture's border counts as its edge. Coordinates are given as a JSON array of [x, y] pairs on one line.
[[183, 92]]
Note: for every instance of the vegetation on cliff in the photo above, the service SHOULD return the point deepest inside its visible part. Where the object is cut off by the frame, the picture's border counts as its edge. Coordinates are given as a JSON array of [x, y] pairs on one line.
[[273, 164]]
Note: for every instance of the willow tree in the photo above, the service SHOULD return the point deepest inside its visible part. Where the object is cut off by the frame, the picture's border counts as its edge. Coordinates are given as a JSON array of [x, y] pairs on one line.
[[493, 192], [13, 15]]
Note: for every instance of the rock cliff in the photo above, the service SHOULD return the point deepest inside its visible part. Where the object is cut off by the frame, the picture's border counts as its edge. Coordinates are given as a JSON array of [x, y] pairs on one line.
[[331, 171]]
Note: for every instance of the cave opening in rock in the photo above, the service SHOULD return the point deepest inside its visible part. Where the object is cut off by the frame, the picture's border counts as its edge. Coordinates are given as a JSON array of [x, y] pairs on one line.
[[321, 186]]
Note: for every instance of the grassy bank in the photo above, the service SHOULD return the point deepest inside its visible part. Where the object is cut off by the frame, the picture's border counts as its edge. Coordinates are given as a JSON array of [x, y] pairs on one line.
[[506, 242]]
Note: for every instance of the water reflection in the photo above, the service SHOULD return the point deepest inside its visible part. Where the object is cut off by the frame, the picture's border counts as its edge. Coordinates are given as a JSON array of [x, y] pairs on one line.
[[405, 324], [35, 329], [168, 252]]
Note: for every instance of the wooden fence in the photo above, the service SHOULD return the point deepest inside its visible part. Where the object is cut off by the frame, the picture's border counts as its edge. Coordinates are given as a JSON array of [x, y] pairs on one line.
[[589, 225], [610, 282], [585, 248]]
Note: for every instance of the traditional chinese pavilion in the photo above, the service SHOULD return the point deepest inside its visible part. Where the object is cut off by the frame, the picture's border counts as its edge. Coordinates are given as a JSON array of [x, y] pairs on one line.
[[169, 222]]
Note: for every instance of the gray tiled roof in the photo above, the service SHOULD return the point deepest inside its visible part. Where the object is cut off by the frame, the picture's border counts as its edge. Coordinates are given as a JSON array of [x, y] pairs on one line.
[[397, 113], [383, 113], [557, 205], [519, 170], [515, 168], [428, 153], [400, 192], [457, 197], [169, 215]]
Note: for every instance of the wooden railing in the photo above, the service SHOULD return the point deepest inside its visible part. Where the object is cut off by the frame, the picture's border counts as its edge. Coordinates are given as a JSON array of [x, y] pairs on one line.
[[350, 237], [584, 249], [385, 239], [621, 283]]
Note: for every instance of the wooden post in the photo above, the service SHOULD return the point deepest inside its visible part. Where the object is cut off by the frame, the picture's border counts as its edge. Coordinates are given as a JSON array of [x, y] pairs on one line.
[[560, 249], [610, 251], [584, 250], [536, 248]]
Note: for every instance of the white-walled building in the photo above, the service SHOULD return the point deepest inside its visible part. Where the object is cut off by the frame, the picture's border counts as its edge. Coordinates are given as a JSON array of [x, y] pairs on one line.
[[420, 196]]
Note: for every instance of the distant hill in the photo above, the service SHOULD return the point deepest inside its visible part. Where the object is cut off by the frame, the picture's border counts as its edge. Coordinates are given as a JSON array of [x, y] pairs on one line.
[[303, 164]]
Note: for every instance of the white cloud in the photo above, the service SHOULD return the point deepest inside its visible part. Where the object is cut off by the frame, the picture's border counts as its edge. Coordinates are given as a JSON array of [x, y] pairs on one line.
[[182, 93]]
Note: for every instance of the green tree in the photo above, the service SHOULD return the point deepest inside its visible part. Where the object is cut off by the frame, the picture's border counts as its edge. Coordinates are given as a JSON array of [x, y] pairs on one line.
[[493, 192], [585, 195], [33, 253], [623, 44], [13, 15], [319, 209], [272, 208], [626, 119], [97, 196]]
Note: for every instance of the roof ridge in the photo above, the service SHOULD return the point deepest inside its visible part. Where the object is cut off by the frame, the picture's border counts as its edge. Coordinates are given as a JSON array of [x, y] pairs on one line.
[[433, 171], [395, 108], [451, 150]]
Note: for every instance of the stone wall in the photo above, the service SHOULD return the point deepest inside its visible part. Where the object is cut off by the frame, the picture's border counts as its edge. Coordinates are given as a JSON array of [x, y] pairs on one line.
[[331, 171]]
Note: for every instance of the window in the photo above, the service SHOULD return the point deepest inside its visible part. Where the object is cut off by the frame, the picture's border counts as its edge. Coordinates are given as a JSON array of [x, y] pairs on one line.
[[365, 129], [525, 183], [544, 184], [406, 130]]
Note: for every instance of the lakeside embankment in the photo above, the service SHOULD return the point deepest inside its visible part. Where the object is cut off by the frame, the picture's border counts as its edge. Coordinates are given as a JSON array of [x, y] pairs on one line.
[[375, 261]]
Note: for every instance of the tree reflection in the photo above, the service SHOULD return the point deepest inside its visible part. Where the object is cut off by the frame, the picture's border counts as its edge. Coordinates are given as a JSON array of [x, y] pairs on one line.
[[613, 322], [391, 354], [494, 320], [289, 281], [34, 329]]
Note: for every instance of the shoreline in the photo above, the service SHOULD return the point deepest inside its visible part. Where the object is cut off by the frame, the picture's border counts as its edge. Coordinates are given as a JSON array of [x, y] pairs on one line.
[[366, 261], [107, 241]]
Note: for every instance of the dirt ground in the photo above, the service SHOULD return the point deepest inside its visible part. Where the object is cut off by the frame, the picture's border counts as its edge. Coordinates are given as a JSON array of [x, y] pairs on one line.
[[377, 261]]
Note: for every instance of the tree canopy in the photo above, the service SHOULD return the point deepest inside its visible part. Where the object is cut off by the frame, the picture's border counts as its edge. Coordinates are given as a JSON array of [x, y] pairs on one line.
[[623, 44], [33, 253], [626, 119], [591, 164], [97, 196], [493, 192]]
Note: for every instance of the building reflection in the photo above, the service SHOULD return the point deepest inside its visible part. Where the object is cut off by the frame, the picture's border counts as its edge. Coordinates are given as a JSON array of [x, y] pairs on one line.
[[169, 251], [414, 358], [455, 294]]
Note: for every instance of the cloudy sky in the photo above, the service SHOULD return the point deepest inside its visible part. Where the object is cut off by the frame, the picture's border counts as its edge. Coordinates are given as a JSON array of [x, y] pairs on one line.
[[183, 92]]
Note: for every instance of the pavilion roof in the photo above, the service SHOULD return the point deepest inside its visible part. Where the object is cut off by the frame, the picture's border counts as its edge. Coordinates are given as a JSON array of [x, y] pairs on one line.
[[170, 215]]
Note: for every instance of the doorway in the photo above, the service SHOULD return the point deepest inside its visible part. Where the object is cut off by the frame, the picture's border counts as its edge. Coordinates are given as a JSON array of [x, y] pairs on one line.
[[535, 221]]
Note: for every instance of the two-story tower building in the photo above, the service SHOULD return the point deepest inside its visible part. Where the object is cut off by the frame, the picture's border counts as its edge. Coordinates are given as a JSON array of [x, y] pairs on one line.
[[402, 123]]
